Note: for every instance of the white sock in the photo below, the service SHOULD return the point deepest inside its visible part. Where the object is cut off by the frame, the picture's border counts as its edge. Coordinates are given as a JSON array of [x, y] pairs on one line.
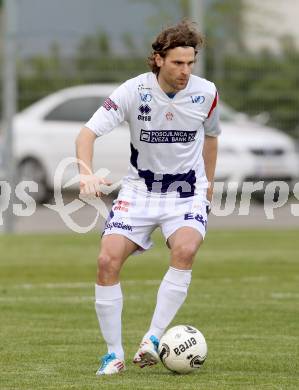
[[108, 305], [171, 295]]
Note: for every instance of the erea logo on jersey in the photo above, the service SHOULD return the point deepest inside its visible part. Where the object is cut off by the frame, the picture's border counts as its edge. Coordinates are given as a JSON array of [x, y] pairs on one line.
[[145, 110]]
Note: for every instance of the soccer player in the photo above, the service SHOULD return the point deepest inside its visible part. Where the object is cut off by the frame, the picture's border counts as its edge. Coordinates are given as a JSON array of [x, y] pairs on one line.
[[173, 120]]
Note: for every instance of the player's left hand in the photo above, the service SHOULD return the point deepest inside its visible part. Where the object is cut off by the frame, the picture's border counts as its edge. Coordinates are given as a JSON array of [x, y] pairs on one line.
[[209, 194], [90, 185]]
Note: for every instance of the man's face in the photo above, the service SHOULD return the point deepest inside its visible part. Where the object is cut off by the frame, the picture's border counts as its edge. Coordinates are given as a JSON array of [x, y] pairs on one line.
[[175, 68]]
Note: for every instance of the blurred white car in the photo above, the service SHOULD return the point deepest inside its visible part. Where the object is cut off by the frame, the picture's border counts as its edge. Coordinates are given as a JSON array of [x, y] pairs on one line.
[[251, 151], [45, 133], [2, 172]]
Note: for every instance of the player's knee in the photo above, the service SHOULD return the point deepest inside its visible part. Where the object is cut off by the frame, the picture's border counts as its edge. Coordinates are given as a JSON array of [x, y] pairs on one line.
[[184, 253], [108, 264]]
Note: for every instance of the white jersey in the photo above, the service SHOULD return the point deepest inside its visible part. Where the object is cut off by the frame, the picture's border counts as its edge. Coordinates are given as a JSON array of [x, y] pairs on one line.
[[167, 134]]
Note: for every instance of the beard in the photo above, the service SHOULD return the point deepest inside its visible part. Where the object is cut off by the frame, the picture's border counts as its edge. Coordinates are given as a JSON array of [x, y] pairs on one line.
[[181, 83]]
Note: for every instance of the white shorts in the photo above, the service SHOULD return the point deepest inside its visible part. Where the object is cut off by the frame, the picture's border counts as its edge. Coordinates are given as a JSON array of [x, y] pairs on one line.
[[136, 217]]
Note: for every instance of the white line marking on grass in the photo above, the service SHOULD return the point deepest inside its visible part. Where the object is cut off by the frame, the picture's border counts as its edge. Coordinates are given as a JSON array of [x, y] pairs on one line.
[[136, 297], [47, 299], [254, 279], [147, 282], [70, 285], [29, 286], [287, 295], [263, 337]]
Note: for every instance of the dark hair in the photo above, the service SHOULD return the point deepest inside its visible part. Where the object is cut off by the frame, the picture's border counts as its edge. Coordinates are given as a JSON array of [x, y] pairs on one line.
[[182, 34]]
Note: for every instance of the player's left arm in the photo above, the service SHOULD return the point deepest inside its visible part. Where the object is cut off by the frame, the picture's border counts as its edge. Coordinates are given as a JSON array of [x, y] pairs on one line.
[[210, 148], [210, 157]]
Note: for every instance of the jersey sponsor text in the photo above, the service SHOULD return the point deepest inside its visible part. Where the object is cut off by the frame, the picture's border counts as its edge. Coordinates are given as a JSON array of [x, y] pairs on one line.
[[167, 136]]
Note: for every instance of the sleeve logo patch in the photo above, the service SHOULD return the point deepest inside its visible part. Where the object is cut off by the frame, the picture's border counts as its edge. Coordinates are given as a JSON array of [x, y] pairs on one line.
[[109, 104], [199, 99]]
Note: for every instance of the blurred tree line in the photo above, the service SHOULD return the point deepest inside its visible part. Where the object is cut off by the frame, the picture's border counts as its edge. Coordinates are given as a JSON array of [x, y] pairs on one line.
[[251, 83], [263, 84], [255, 83], [94, 62]]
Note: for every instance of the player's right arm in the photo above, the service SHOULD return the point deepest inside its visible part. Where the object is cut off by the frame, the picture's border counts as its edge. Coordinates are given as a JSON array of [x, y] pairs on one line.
[[89, 183], [113, 111]]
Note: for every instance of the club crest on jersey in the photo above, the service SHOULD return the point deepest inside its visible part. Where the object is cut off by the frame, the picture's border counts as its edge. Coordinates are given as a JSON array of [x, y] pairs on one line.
[[169, 116], [199, 99], [145, 110]]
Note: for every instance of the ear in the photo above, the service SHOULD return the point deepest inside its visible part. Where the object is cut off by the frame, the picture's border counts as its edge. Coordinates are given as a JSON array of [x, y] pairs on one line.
[[159, 60]]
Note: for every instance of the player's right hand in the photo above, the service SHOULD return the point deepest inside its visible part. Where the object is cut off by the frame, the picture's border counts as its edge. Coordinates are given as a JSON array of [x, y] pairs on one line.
[[90, 185]]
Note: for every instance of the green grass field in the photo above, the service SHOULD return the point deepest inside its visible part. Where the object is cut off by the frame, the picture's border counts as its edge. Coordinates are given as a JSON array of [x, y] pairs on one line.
[[244, 297]]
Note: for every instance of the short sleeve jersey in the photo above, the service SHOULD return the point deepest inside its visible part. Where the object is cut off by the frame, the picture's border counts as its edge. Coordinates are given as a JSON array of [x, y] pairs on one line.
[[167, 133]]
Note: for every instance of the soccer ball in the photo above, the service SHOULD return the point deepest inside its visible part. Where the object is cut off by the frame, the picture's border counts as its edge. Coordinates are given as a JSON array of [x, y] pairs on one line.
[[183, 349]]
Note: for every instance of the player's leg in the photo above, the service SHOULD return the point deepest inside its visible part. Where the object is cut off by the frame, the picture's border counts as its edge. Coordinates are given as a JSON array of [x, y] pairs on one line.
[[115, 249], [184, 243]]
